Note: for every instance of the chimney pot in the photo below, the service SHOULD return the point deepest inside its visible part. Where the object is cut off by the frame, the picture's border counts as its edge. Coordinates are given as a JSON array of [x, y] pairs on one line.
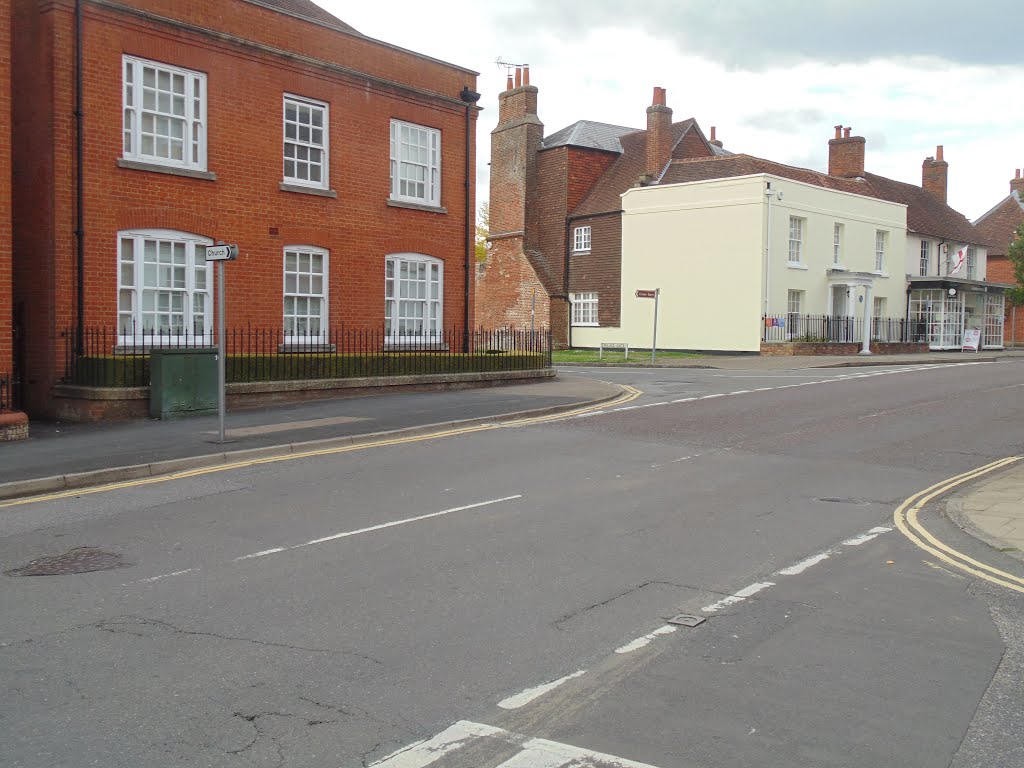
[[1017, 183], [526, 75], [846, 132], [938, 152], [839, 131], [659, 97], [508, 84], [934, 177], [519, 76], [1018, 173], [712, 133]]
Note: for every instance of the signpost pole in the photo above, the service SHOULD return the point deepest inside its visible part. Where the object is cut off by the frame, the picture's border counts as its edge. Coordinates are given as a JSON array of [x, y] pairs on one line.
[[219, 266], [654, 341]]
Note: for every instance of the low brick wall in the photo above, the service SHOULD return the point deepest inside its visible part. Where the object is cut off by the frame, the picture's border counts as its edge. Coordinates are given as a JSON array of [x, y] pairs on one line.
[[13, 426], [88, 404], [793, 348]]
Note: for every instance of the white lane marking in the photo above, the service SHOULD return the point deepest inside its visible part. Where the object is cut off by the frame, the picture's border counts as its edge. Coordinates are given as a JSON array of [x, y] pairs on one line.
[[803, 565], [709, 397], [161, 576], [741, 392], [260, 554], [738, 596], [684, 458], [880, 529], [856, 541], [393, 523], [541, 753], [627, 408], [423, 753], [525, 697], [534, 753], [685, 400], [640, 642]]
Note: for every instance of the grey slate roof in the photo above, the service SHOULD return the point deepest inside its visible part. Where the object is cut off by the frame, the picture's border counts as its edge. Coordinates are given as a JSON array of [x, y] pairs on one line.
[[586, 133], [305, 9]]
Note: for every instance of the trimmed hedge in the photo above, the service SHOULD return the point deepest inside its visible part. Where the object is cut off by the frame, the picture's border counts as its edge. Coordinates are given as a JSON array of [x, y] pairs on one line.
[[133, 370]]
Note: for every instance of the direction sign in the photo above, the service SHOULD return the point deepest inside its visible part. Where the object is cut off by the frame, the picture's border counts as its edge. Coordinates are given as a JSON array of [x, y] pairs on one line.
[[646, 294], [221, 252]]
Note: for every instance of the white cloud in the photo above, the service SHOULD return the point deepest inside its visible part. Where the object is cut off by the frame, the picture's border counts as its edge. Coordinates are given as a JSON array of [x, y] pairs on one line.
[[905, 100]]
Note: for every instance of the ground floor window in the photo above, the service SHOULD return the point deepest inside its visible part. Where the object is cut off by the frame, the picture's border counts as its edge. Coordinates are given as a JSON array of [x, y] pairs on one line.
[[163, 284], [995, 314], [794, 313], [413, 296], [584, 308], [305, 292], [880, 328]]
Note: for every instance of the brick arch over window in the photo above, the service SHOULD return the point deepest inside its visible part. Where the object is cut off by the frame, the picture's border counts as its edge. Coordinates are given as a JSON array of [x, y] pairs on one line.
[[168, 218]]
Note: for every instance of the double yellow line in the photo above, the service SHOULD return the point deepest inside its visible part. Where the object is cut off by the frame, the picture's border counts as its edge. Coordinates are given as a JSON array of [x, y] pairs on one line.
[[906, 519], [630, 394]]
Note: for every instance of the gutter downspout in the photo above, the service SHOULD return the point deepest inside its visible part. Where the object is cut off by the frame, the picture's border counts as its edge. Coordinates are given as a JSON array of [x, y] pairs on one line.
[[79, 182], [565, 282], [470, 98], [769, 193]]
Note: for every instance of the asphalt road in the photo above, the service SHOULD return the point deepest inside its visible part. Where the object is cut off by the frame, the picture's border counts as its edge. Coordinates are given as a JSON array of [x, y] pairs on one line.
[[335, 610]]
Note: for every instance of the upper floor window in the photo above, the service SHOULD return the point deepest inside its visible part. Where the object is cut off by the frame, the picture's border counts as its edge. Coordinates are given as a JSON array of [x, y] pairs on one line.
[[837, 243], [415, 163], [305, 292], [879, 251], [923, 265], [581, 240], [972, 263], [163, 285], [164, 114], [796, 239], [413, 296], [584, 308], [305, 142]]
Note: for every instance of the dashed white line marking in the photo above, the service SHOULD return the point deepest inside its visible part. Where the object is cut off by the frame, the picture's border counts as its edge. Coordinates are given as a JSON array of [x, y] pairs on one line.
[[803, 565], [738, 596], [260, 554], [685, 400], [525, 697], [640, 642], [161, 576]]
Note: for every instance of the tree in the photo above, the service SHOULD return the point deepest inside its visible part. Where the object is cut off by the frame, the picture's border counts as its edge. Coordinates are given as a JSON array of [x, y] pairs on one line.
[[483, 229], [1016, 294]]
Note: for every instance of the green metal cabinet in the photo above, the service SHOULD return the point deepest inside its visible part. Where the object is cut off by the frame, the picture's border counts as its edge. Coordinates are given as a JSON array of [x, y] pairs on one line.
[[183, 382]]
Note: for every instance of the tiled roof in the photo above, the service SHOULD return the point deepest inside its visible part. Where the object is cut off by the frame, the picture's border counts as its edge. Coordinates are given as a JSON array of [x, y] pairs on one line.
[[997, 226], [585, 133], [926, 214], [305, 9], [625, 172]]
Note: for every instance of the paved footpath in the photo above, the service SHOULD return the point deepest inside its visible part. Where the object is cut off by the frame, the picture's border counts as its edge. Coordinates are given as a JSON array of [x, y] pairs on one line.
[[993, 511]]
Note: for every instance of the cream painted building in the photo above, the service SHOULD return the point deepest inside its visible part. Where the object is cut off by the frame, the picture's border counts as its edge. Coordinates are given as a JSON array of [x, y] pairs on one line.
[[725, 253]]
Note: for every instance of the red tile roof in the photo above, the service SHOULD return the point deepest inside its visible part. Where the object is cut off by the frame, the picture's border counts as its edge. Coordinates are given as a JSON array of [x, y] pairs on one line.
[[998, 226], [926, 214], [306, 9]]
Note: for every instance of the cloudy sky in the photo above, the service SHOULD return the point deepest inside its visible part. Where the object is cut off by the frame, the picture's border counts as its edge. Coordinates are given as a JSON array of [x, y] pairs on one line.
[[774, 77]]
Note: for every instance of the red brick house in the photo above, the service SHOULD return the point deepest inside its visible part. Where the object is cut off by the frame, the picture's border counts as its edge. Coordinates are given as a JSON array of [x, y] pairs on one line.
[[6, 317], [555, 212], [339, 164], [998, 226]]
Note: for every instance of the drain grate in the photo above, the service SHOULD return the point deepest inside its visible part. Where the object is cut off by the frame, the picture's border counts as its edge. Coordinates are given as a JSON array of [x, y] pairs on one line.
[[79, 560]]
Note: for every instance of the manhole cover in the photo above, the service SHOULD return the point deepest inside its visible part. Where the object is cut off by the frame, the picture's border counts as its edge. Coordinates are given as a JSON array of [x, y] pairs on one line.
[[80, 560], [686, 620]]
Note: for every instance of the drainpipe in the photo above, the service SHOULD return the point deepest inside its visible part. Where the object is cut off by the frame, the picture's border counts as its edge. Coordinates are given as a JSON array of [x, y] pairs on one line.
[[769, 193], [470, 98], [79, 182], [565, 281]]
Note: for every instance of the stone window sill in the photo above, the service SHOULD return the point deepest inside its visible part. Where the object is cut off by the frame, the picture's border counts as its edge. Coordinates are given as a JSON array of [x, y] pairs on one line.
[[417, 206], [318, 191], [880, 274], [585, 252], [170, 170], [796, 265]]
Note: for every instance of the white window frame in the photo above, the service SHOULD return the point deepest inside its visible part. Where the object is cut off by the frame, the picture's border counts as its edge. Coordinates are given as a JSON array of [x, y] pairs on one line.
[[303, 288], [794, 313], [300, 145], [581, 239], [922, 266], [972, 263], [135, 113], [132, 306], [584, 309], [432, 302], [881, 238], [431, 168], [796, 239], [837, 244]]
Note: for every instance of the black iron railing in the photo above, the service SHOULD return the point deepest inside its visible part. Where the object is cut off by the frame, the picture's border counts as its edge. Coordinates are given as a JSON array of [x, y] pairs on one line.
[[830, 328], [9, 392], [107, 358]]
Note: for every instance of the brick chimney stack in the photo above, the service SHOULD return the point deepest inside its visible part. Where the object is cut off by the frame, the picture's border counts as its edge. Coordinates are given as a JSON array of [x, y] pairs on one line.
[[515, 142], [1017, 184], [934, 174], [713, 139], [659, 136], [846, 154]]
